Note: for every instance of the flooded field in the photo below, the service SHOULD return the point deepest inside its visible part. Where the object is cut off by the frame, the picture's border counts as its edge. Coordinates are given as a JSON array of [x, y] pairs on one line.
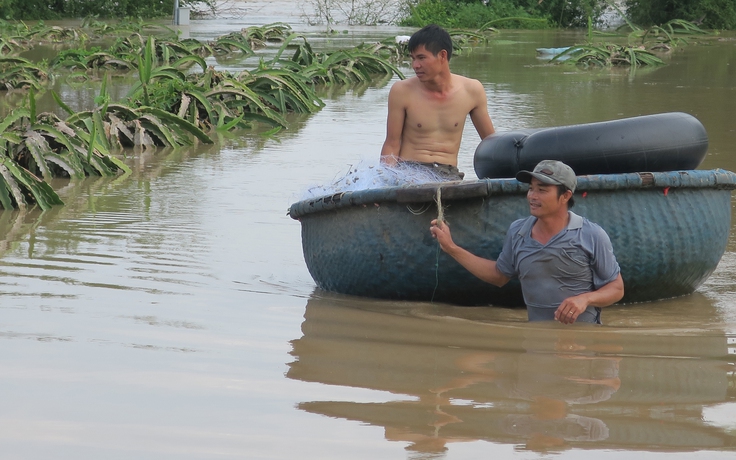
[[170, 315]]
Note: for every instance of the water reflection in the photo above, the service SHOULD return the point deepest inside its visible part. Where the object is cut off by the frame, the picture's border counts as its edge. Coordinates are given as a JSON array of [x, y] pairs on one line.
[[541, 387], [107, 297]]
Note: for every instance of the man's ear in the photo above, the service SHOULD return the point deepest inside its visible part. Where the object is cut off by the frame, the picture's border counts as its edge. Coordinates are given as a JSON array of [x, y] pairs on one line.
[[442, 54]]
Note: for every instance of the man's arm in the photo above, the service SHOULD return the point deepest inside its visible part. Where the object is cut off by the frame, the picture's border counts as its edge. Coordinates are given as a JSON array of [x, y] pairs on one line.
[[484, 269], [572, 307], [479, 115], [394, 125]]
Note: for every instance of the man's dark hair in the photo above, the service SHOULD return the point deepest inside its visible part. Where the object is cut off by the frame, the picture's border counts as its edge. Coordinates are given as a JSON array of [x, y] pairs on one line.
[[561, 189], [434, 38]]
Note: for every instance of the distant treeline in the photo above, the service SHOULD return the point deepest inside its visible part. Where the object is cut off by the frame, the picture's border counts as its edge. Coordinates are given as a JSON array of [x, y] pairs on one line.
[[710, 14], [56, 9]]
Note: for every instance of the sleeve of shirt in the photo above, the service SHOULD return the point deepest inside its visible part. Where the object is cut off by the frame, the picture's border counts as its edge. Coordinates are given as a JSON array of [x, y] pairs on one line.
[[506, 262], [605, 266]]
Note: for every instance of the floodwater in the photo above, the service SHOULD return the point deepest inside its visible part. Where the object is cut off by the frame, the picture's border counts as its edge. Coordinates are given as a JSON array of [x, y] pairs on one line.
[[169, 314]]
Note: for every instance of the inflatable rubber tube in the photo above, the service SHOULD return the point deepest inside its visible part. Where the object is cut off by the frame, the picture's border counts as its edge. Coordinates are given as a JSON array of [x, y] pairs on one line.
[[651, 143]]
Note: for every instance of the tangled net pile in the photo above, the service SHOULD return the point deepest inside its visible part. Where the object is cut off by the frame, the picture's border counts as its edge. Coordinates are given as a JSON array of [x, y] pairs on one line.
[[369, 176]]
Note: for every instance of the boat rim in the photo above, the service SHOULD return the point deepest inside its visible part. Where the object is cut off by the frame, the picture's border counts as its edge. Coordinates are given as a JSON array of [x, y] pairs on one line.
[[480, 188]]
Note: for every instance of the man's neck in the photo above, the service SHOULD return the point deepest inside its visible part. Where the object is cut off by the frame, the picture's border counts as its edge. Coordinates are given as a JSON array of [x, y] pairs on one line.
[[442, 84], [548, 226]]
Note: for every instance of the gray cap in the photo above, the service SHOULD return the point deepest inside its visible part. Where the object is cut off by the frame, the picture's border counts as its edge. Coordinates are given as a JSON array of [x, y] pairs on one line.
[[550, 172]]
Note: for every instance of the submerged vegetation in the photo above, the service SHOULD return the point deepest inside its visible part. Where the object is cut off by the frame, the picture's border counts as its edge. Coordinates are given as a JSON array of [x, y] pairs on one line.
[[608, 54], [176, 100], [639, 50]]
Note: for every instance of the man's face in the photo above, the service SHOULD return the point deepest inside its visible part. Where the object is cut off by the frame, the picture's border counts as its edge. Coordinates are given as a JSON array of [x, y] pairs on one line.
[[425, 64], [543, 199]]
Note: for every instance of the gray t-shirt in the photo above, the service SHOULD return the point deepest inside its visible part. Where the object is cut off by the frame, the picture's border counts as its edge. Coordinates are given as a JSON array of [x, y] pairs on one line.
[[579, 259]]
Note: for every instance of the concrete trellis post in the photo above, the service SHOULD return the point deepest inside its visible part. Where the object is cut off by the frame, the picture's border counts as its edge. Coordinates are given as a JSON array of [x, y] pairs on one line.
[[176, 12]]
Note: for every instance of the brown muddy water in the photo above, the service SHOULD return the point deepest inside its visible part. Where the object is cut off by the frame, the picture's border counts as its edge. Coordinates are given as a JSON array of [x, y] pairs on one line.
[[170, 315]]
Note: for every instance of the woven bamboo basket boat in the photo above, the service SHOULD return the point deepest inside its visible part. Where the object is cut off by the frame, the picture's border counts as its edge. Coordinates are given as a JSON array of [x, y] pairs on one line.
[[668, 230]]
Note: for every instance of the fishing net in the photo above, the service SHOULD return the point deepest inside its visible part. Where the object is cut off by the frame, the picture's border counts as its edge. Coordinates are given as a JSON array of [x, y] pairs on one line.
[[366, 176]]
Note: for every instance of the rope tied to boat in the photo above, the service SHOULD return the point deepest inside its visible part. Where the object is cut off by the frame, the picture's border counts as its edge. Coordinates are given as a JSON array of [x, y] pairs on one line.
[[440, 209]]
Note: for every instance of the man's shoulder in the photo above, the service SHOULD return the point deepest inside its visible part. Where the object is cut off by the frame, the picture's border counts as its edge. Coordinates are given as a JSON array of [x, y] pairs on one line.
[[463, 78], [471, 89], [466, 82], [594, 230], [405, 84], [403, 91], [591, 226]]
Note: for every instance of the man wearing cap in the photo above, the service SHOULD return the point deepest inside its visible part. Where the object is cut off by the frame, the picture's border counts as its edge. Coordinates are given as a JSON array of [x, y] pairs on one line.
[[565, 263]]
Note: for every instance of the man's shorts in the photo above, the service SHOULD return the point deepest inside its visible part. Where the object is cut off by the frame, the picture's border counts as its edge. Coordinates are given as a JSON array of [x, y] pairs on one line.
[[445, 172], [590, 315]]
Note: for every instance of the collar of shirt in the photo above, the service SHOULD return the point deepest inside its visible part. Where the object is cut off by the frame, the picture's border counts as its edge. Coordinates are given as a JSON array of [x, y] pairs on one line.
[[575, 222]]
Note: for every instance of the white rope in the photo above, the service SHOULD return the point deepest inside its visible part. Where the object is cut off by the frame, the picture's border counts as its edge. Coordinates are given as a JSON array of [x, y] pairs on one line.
[[440, 210]]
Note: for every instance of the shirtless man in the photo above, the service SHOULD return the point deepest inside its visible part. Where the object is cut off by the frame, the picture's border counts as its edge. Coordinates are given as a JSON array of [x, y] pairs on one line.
[[426, 113]]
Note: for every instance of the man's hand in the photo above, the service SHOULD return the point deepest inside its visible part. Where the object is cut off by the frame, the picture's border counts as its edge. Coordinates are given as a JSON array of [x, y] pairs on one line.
[[441, 231], [485, 269], [570, 309]]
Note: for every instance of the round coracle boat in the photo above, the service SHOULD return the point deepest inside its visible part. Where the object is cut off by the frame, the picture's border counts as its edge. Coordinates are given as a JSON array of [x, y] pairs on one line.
[[668, 230]]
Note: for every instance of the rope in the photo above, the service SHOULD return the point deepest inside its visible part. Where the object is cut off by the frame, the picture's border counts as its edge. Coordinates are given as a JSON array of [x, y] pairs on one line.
[[420, 211], [440, 211], [436, 273], [440, 221]]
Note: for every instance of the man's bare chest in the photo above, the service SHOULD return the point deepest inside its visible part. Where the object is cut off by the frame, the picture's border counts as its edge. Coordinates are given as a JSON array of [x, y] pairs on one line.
[[446, 115]]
